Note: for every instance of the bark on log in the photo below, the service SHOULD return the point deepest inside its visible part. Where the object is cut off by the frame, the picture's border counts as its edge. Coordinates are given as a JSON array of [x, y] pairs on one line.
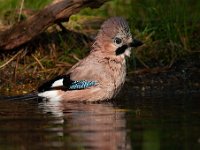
[[23, 32]]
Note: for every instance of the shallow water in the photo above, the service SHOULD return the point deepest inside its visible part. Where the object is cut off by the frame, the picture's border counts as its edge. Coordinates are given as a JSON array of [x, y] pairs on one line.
[[143, 122]]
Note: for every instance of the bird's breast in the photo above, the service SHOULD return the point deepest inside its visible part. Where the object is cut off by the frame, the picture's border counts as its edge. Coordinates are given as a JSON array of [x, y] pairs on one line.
[[118, 74]]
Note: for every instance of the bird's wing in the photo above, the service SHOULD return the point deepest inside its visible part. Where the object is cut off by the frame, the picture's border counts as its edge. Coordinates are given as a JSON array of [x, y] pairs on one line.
[[86, 73], [65, 83], [91, 69]]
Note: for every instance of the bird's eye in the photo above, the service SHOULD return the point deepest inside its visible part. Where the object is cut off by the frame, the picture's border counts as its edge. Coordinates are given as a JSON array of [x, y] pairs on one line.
[[118, 40]]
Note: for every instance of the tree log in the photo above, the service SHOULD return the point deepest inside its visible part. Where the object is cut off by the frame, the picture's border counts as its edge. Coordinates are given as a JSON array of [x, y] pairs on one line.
[[25, 31]]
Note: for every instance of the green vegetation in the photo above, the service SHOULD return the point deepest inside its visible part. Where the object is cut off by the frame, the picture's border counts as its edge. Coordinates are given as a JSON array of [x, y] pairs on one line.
[[10, 9], [10, 5], [169, 28]]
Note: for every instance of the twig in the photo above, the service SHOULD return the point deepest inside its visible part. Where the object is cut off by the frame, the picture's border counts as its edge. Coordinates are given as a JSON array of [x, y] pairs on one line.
[[15, 70], [75, 57], [171, 63], [146, 66], [6, 63], [20, 11], [38, 61], [33, 63], [47, 70]]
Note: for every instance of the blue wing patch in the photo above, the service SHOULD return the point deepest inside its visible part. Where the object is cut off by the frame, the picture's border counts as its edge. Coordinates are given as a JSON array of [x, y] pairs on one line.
[[65, 84], [77, 85]]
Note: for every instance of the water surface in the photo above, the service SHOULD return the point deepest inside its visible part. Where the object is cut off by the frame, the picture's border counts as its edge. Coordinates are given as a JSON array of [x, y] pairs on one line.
[[129, 122]]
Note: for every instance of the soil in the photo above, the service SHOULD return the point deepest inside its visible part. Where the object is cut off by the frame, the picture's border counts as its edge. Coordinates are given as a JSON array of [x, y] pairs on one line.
[[182, 77]]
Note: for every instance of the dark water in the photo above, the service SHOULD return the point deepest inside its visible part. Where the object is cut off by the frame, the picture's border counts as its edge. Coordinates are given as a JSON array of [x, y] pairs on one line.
[[141, 123]]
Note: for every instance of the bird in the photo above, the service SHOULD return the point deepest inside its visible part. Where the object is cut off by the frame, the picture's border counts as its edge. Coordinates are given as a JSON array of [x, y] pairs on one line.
[[100, 75]]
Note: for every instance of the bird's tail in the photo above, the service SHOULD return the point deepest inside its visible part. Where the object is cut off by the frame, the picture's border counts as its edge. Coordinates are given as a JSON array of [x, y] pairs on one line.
[[30, 96]]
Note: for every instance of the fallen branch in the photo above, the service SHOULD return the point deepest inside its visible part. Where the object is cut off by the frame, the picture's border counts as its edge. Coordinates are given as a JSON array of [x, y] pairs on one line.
[[25, 31]]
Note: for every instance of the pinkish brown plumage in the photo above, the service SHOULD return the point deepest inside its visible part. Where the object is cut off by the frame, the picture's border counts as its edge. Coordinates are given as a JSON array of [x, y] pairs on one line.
[[105, 65]]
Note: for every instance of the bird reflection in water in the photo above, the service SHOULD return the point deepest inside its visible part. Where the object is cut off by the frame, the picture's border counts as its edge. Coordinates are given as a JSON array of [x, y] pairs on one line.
[[90, 125]]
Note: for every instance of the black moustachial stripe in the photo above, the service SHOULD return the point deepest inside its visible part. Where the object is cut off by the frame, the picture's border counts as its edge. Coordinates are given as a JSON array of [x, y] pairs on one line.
[[121, 50]]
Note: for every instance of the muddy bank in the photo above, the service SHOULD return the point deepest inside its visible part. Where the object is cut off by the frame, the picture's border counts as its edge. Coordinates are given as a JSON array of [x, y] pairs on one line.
[[182, 77]]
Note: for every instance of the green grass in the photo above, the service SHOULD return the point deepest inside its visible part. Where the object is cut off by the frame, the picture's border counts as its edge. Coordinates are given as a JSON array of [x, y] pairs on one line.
[[6, 5], [9, 8]]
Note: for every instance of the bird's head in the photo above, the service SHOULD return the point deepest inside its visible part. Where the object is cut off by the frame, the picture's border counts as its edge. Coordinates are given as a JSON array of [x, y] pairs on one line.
[[115, 39]]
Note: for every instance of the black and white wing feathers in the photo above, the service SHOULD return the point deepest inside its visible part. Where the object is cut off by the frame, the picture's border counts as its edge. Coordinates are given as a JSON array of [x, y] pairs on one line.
[[65, 83]]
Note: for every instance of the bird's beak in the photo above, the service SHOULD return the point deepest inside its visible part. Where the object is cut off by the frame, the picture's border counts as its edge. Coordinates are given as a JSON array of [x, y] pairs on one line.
[[135, 43]]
